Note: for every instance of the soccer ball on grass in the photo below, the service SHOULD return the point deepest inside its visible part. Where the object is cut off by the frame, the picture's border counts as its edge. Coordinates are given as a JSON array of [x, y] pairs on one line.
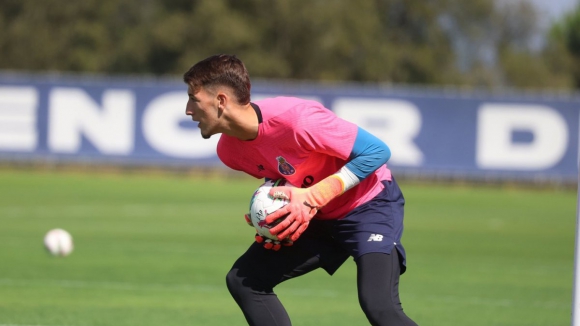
[[58, 242]]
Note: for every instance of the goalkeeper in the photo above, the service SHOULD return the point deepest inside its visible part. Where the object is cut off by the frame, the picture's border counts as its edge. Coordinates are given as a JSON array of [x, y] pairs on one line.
[[346, 204]]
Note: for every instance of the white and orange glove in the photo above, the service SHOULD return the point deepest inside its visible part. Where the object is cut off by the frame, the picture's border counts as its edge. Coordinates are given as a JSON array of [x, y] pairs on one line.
[[305, 203], [268, 243]]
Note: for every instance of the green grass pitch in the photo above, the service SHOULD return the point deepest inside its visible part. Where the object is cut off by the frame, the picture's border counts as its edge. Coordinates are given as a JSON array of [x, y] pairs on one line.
[[154, 250]]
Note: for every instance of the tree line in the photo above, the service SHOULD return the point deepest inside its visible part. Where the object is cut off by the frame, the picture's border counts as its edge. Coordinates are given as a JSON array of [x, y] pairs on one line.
[[476, 43]]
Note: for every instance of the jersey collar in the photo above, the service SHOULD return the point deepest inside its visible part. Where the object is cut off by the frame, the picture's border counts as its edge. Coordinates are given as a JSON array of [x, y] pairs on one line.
[[258, 111]]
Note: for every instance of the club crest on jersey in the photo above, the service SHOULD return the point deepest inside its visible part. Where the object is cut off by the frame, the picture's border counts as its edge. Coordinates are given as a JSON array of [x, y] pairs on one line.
[[284, 167]]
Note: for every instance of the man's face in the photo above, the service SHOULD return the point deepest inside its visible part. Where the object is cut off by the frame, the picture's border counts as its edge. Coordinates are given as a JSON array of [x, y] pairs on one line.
[[203, 108]]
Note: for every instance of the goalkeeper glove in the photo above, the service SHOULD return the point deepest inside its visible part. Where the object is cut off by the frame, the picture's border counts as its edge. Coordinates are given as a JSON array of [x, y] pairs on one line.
[[268, 243], [273, 244], [303, 205]]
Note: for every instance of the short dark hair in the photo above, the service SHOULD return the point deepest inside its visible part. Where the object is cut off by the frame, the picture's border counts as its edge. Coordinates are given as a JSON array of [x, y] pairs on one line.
[[222, 70]]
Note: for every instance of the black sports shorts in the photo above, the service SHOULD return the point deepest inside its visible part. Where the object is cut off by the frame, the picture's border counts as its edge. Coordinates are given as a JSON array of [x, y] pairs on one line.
[[376, 226]]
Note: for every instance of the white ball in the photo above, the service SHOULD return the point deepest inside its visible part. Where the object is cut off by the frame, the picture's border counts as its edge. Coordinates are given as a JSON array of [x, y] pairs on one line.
[[262, 205], [58, 242]]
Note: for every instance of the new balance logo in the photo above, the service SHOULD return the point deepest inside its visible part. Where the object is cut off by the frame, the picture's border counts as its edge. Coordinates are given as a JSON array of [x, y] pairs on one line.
[[375, 237]]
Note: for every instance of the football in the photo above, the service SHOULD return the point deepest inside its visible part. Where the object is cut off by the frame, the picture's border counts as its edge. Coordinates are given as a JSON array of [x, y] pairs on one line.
[[262, 205], [58, 242]]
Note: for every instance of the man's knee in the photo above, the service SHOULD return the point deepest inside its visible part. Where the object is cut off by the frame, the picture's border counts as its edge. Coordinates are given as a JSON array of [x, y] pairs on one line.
[[376, 310], [234, 282], [239, 283]]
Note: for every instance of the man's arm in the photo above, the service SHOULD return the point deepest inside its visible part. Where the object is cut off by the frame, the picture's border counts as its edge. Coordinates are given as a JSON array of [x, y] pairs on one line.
[[367, 155]]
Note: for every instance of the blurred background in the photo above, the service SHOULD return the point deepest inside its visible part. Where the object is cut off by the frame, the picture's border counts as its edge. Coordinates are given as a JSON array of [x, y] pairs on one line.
[[478, 100], [482, 43], [484, 89]]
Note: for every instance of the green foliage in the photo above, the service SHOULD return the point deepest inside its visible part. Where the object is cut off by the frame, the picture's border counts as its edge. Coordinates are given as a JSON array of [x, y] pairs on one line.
[[566, 37], [388, 41], [154, 250], [547, 71]]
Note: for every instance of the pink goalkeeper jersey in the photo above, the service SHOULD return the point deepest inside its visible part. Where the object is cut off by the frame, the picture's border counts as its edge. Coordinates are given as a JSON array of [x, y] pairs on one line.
[[302, 142]]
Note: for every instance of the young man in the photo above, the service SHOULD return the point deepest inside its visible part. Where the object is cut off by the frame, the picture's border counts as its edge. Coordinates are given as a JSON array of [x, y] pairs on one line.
[[345, 203]]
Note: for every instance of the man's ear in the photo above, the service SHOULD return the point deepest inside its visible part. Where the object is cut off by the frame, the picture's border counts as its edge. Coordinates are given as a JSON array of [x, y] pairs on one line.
[[222, 100]]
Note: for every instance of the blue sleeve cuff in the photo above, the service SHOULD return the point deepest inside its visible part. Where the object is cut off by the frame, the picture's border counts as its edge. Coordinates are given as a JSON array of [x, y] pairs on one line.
[[368, 154]]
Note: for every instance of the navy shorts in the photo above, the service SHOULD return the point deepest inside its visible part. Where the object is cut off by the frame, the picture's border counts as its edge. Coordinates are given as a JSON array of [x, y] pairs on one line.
[[376, 226]]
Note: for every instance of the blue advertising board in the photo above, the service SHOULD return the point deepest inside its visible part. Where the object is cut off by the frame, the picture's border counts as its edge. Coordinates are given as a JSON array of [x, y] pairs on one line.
[[431, 132]]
